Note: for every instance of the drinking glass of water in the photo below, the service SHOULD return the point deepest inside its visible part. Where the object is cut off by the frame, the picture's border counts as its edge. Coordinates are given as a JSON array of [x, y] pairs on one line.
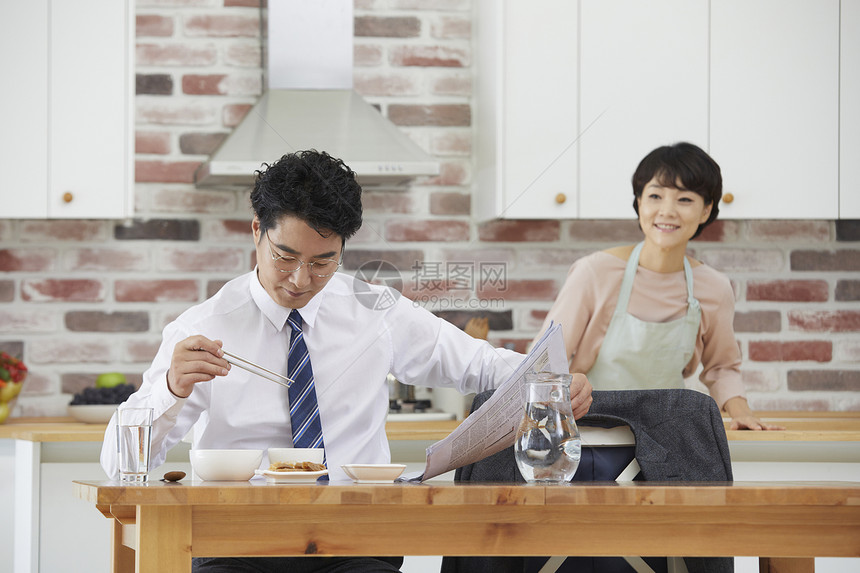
[[134, 428], [548, 446]]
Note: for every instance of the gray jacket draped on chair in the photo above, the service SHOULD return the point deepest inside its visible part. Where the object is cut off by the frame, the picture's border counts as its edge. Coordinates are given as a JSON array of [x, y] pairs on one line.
[[679, 437]]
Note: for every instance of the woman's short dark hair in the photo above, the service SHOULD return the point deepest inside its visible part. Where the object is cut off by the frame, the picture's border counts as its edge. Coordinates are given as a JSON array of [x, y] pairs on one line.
[[682, 165], [313, 186]]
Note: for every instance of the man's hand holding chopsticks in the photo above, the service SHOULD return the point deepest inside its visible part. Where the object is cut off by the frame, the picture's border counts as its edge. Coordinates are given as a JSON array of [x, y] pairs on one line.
[[195, 359]]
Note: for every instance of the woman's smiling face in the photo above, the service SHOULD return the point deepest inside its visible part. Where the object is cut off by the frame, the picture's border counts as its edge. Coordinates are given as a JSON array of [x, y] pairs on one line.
[[670, 216]]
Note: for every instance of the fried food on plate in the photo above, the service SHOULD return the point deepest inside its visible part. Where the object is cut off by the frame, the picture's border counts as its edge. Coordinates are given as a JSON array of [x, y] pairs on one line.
[[296, 467]]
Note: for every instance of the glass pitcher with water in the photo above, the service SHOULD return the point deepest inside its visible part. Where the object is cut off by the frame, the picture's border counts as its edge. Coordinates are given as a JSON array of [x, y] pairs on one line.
[[547, 447]]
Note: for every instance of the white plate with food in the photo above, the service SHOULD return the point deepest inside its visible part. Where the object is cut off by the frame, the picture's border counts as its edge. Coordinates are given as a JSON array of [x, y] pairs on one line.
[[293, 476], [373, 473]]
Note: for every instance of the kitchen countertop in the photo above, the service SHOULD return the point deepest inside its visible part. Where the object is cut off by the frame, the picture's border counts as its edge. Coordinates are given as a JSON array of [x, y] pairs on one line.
[[800, 426], [67, 429]]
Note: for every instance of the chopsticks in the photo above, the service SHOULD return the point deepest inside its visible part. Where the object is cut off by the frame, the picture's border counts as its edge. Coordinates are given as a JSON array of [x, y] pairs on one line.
[[257, 369]]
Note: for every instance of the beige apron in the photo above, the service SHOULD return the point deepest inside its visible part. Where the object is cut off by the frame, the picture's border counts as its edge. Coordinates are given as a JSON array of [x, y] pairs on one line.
[[639, 355]]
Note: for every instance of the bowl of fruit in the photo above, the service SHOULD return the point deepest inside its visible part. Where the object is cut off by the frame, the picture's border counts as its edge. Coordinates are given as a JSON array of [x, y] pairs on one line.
[[12, 375], [96, 405]]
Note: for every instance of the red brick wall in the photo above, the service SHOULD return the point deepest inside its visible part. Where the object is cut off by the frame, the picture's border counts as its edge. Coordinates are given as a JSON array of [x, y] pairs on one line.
[[82, 297]]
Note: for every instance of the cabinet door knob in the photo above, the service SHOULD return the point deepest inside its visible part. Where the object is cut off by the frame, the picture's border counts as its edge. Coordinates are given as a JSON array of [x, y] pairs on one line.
[[68, 197], [728, 198], [560, 198]]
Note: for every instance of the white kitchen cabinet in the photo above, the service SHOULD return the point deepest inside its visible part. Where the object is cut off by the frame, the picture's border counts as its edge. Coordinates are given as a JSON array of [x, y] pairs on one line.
[[526, 115], [566, 114], [643, 83], [775, 107], [570, 111], [66, 146], [849, 111], [24, 100]]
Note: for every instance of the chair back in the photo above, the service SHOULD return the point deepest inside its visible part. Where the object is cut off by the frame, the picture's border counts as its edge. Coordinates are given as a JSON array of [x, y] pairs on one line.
[[678, 434]]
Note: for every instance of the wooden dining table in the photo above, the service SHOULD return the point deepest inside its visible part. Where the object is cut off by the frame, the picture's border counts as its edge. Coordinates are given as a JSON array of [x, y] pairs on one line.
[[160, 526]]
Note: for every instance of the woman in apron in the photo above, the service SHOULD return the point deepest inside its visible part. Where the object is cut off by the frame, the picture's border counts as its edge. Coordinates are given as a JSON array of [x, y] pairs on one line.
[[647, 315]]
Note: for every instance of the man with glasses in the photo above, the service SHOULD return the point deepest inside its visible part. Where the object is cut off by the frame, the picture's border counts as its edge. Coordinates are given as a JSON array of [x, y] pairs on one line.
[[306, 205]]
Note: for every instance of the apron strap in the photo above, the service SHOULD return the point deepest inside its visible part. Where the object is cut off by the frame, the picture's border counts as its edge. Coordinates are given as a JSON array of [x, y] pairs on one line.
[[693, 307], [629, 277], [688, 272]]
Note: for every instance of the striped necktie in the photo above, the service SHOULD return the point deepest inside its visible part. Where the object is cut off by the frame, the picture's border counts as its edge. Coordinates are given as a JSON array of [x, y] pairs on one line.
[[304, 410]]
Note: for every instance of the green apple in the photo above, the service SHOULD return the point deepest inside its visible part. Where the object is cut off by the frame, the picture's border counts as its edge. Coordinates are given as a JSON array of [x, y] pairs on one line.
[[110, 379]]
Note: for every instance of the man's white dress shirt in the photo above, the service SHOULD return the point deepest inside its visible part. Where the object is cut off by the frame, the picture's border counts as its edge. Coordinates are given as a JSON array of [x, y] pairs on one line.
[[356, 334]]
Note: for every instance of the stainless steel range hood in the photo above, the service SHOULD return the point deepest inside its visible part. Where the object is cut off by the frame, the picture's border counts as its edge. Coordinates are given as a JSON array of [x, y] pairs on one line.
[[310, 104], [337, 121]]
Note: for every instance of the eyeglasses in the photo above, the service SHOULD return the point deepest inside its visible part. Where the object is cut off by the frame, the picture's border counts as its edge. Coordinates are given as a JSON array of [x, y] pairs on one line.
[[321, 268]]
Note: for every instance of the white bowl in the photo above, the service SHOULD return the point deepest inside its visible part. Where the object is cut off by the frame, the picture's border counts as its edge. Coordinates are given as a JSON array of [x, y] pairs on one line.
[[225, 465], [373, 473], [92, 413], [295, 455]]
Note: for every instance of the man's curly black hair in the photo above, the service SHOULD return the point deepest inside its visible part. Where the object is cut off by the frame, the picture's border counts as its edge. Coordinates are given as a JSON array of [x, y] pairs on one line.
[[313, 186]]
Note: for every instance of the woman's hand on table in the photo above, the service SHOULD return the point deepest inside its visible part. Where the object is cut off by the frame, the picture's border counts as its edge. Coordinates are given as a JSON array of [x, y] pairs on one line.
[[743, 418], [580, 395], [751, 423], [195, 359]]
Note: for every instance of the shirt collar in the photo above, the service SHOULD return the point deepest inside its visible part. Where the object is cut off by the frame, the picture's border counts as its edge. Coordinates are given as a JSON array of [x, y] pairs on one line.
[[277, 314]]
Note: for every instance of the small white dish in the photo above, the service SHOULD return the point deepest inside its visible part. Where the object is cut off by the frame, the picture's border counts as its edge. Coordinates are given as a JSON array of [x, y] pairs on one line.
[[292, 477], [373, 473], [92, 413]]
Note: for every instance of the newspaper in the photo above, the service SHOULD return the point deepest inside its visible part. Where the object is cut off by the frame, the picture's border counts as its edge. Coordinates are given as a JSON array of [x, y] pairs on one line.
[[492, 427]]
